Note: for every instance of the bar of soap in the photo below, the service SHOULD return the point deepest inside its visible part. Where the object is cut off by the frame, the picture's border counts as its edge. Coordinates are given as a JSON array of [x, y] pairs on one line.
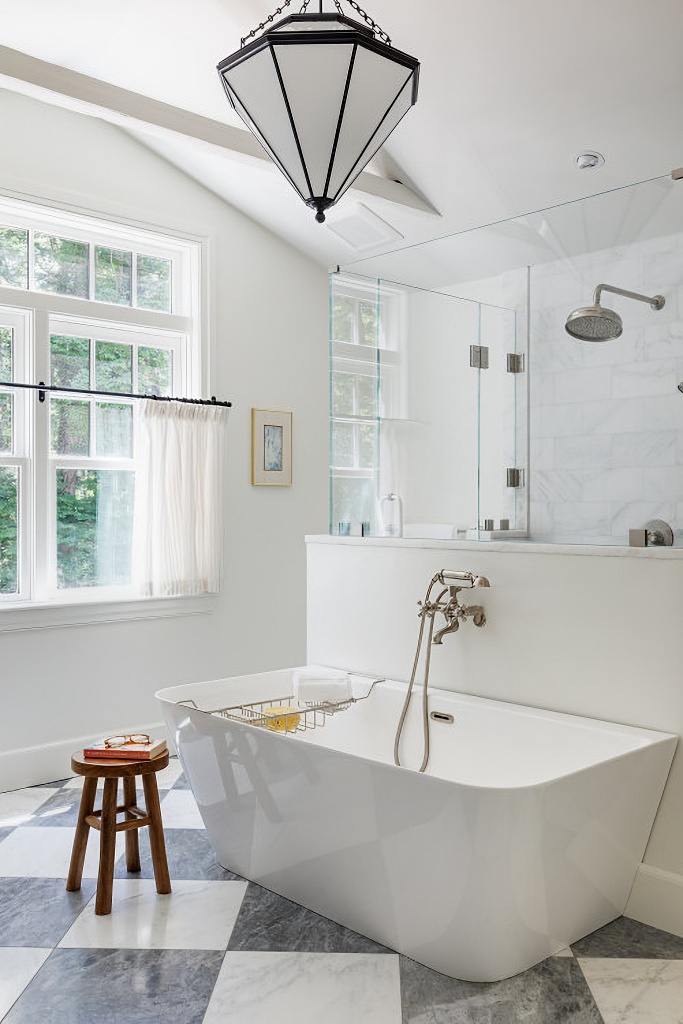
[[281, 718]]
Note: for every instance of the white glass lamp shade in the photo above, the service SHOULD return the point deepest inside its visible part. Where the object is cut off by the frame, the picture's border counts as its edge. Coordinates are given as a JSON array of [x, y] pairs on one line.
[[321, 94]]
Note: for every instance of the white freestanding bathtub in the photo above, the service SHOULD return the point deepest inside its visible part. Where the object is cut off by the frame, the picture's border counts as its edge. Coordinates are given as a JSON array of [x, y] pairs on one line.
[[524, 834]]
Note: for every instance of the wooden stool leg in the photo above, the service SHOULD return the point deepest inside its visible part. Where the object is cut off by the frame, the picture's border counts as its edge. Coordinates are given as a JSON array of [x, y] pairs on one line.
[[156, 834], [73, 881], [105, 878], [132, 844]]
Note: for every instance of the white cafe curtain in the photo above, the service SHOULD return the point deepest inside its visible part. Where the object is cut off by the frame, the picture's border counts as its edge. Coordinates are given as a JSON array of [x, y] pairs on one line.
[[179, 513]]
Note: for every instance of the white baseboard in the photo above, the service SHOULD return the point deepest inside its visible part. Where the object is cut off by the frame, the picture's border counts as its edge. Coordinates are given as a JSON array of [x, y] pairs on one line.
[[33, 766], [657, 899]]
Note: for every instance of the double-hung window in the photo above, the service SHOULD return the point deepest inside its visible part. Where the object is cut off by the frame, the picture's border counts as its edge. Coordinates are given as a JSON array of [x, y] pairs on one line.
[[365, 341], [85, 306]]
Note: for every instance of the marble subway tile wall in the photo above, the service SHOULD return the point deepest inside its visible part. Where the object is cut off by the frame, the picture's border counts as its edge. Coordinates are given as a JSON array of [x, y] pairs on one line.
[[606, 420]]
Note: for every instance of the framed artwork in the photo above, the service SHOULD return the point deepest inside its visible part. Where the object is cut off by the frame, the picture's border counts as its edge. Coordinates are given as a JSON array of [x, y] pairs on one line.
[[271, 448]]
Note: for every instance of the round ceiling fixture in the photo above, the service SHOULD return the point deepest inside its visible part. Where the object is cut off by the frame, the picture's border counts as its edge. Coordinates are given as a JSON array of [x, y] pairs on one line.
[[589, 161]]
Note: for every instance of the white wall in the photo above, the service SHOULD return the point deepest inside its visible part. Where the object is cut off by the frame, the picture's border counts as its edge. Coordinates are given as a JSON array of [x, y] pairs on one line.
[[268, 311], [592, 632]]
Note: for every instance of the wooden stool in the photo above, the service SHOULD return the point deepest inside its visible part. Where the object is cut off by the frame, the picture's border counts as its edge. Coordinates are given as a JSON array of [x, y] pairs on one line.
[[111, 770]]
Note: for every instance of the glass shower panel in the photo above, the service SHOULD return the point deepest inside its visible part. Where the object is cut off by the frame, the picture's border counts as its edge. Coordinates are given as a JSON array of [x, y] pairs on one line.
[[502, 437]]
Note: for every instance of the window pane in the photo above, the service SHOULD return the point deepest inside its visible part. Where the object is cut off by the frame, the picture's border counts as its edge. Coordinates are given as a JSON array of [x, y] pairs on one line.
[[155, 371], [6, 412], [342, 394], [69, 361], [368, 445], [154, 283], [6, 353], [60, 265], [94, 527], [113, 275], [353, 501], [342, 445], [368, 323], [113, 366], [14, 257], [342, 320], [70, 423], [367, 395], [9, 530], [113, 429]]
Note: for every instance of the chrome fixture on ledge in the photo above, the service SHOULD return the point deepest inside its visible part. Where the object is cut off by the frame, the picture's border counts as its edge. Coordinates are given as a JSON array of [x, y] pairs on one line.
[[597, 323], [447, 604]]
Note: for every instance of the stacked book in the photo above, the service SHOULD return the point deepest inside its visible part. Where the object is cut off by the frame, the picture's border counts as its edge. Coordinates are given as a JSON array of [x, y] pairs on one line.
[[135, 747]]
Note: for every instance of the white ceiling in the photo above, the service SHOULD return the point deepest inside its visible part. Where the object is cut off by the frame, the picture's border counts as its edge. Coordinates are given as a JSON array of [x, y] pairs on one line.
[[509, 93]]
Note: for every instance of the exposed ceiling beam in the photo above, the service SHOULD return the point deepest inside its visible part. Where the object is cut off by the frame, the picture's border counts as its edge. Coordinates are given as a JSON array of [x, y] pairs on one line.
[[21, 72]]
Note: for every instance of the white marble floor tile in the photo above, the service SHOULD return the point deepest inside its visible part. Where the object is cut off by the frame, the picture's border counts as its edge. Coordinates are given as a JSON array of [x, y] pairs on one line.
[[633, 991], [17, 966], [196, 915], [19, 806], [170, 774], [566, 951], [46, 852], [306, 988], [179, 810]]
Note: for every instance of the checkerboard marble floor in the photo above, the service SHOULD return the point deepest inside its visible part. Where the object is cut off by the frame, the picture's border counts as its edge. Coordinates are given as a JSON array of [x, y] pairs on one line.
[[221, 949]]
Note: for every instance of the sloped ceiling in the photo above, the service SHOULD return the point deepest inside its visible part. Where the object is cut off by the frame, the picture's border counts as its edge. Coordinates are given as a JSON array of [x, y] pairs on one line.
[[509, 93]]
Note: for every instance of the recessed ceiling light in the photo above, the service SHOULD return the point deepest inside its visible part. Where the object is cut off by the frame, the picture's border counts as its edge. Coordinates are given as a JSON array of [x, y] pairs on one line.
[[589, 161]]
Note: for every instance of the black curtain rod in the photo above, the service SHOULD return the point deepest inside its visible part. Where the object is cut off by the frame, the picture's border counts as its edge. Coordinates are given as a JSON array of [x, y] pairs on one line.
[[42, 388]]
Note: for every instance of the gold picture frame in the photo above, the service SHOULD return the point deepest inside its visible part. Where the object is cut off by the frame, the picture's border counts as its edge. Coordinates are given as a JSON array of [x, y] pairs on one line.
[[271, 448]]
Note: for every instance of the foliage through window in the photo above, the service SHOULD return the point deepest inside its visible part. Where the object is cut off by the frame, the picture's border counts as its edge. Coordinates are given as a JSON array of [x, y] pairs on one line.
[[68, 464]]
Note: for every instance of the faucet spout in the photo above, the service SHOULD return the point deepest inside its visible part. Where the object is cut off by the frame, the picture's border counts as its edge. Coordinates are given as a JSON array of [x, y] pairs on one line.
[[451, 627]]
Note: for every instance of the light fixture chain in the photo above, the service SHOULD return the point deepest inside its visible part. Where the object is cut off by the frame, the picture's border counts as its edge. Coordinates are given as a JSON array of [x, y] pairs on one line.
[[271, 17], [369, 21]]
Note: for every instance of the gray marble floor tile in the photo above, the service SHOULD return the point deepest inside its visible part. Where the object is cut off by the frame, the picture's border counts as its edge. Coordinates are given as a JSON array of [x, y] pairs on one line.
[[627, 938], [269, 923], [4, 832], [39, 911], [189, 853], [107, 986], [554, 992]]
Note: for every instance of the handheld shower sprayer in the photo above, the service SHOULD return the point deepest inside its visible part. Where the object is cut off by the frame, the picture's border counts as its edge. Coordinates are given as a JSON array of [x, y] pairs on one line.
[[597, 323]]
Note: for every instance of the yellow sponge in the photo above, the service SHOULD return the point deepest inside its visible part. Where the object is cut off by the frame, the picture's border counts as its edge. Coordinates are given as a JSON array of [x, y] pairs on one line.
[[281, 718]]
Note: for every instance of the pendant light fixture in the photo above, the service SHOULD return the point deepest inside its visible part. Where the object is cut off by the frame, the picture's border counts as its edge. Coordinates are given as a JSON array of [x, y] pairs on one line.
[[321, 92]]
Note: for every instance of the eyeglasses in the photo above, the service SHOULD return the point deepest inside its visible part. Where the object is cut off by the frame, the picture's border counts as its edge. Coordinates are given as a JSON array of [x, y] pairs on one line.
[[122, 741]]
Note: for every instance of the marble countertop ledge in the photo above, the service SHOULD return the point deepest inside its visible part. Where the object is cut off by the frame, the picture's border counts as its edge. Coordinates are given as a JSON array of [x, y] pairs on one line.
[[518, 546]]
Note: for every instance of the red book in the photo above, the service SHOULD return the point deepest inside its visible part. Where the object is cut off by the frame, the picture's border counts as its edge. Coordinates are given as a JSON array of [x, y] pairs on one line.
[[136, 751]]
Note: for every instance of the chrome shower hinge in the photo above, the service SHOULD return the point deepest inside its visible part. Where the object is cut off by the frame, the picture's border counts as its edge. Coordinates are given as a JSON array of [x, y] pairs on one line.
[[515, 362], [515, 477], [479, 357]]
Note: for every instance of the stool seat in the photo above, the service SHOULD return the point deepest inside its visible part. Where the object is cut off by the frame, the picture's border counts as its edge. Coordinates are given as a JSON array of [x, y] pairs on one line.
[[105, 820]]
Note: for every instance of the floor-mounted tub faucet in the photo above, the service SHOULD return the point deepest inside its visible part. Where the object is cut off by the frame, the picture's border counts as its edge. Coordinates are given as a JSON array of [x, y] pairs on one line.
[[446, 602]]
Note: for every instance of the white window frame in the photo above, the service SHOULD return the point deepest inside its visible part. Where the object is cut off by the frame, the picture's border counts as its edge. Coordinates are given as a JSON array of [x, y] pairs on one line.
[[37, 311]]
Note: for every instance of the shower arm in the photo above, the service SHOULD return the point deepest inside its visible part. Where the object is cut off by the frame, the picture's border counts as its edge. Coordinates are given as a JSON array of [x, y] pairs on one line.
[[655, 301]]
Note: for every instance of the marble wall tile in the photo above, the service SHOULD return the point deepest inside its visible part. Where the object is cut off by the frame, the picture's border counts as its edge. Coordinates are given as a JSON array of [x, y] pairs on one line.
[[609, 416], [556, 485], [543, 385], [663, 482], [555, 421], [542, 454], [664, 412], [649, 448], [574, 519], [635, 514], [583, 452], [651, 377], [583, 385], [612, 484]]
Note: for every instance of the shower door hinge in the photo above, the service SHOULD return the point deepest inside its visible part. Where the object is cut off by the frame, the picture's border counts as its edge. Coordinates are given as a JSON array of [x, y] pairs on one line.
[[515, 362], [479, 357], [515, 478]]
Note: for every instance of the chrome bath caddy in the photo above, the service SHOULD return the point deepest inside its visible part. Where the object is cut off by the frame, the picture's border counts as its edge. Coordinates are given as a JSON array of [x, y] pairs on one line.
[[283, 714]]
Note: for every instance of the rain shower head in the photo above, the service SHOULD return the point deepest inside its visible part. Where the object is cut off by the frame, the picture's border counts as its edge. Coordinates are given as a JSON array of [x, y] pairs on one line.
[[597, 323]]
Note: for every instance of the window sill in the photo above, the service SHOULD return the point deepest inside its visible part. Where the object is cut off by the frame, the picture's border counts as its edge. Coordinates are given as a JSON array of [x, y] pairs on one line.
[[14, 618]]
